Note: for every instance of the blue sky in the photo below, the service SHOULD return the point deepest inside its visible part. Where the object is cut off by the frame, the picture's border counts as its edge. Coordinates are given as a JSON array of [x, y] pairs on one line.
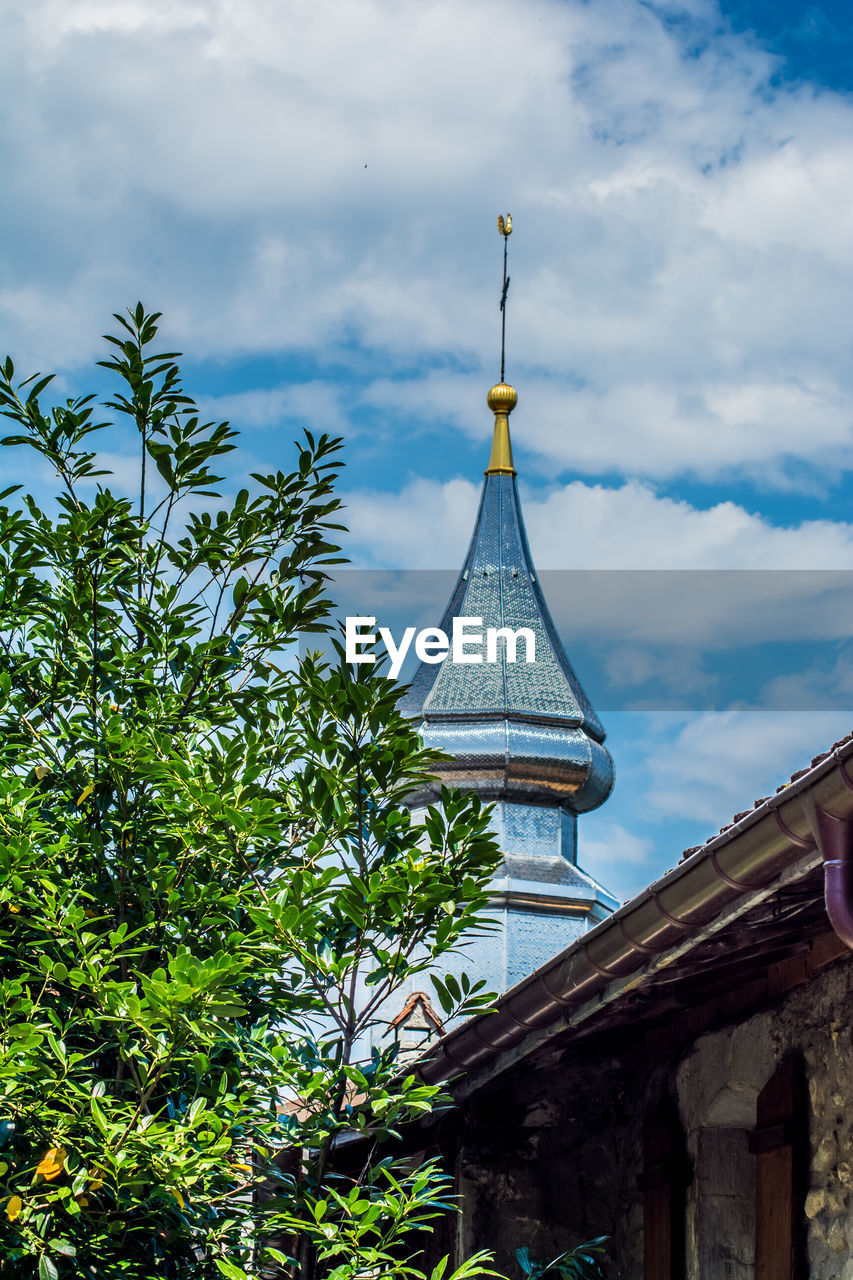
[[309, 193]]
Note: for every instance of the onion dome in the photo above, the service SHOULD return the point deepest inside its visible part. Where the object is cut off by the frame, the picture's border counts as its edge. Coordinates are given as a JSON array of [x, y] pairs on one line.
[[517, 731]]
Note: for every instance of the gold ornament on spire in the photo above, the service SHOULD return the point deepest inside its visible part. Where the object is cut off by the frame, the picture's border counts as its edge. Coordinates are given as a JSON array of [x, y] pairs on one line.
[[502, 398]]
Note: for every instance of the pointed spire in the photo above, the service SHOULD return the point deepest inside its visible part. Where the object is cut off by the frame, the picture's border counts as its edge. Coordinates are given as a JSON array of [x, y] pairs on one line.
[[517, 733]]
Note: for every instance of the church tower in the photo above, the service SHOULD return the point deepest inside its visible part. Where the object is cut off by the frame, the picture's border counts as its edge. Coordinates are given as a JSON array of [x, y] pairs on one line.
[[522, 735]]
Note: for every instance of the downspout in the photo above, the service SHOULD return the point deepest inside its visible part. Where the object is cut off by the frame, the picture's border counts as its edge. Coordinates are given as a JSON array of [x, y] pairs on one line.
[[834, 838]]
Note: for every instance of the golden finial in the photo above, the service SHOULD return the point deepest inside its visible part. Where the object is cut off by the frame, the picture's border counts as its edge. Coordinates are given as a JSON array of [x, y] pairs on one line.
[[502, 398]]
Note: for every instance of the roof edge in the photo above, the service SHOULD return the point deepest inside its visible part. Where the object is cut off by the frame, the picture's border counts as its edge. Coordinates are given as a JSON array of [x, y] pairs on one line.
[[742, 860]]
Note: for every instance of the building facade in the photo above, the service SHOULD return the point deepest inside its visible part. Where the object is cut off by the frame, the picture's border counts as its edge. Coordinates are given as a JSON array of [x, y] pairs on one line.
[[680, 1079]]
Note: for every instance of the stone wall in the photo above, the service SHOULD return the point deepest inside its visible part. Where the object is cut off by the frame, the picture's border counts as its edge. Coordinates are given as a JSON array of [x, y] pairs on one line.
[[553, 1156], [829, 1071], [718, 1083], [552, 1161]]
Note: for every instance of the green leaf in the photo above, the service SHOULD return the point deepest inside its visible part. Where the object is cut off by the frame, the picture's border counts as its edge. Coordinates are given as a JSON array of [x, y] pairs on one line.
[[195, 1109], [99, 1117], [64, 1247], [444, 997], [39, 387], [230, 1269]]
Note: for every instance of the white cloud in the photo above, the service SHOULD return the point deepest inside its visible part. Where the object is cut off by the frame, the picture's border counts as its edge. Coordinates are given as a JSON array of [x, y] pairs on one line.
[[424, 526], [287, 176], [315, 405], [613, 843], [662, 604], [827, 685], [679, 777], [720, 762], [660, 428], [427, 525], [619, 859]]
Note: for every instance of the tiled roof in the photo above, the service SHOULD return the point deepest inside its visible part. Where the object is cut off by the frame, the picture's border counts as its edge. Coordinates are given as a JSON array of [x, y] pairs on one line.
[[800, 773], [498, 583], [549, 870]]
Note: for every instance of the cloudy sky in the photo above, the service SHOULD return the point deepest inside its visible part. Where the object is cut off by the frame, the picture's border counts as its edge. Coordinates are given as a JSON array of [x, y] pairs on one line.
[[308, 191]]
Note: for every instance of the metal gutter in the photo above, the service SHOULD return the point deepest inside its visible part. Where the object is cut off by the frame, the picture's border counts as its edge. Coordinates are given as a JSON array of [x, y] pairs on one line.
[[784, 834]]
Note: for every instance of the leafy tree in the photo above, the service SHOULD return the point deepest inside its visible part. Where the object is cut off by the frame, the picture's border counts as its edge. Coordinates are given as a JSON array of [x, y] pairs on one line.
[[210, 878]]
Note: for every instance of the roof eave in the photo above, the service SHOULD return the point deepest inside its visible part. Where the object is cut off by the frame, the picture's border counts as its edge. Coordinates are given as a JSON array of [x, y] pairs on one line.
[[747, 861]]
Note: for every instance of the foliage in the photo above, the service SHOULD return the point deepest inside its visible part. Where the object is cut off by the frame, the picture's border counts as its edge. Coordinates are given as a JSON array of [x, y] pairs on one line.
[[584, 1262], [210, 879]]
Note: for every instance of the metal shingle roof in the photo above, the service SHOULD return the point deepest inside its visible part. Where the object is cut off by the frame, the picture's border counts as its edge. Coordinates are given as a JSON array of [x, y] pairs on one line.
[[498, 583]]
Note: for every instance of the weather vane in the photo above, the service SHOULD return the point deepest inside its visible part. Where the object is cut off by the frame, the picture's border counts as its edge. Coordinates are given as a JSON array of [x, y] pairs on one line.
[[505, 229]]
